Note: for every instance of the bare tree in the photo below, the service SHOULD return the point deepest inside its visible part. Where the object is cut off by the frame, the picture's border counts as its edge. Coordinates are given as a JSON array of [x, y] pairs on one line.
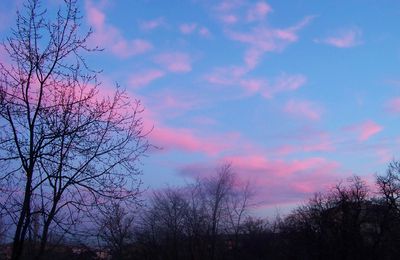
[[196, 220], [238, 205], [170, 208], [116, 229], [65, 148], [389, 186], [217, 190]]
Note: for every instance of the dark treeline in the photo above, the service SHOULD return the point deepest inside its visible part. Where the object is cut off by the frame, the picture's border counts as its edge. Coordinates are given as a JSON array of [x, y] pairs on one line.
[[210, 219]]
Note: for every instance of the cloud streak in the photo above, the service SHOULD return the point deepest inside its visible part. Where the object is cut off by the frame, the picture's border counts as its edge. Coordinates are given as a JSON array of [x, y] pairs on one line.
[[365, 130], [261, 39], [150, 25], [187, 28], [393, 105], [144, 78], [343, 39], [258, 11], [177, 62], [303, 109], [268, 88], [111, 38]]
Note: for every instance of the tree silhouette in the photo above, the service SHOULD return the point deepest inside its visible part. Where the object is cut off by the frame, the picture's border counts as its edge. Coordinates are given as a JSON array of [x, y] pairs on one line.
[[65, 146]]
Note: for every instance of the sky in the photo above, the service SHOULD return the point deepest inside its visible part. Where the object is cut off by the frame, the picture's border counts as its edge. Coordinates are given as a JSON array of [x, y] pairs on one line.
[[296, 95]]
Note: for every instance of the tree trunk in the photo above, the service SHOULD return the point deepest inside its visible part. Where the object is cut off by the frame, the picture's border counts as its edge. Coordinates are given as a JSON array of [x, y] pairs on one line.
[[23, 222]]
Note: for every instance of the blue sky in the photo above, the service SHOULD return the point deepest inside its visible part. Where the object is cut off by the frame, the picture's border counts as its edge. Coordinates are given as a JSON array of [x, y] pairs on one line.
[[295, 94]]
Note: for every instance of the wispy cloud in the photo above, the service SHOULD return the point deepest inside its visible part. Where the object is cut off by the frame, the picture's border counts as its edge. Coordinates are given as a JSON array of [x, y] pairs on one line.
[[187, 28], [365, 130], [111, 38], [229, 5], [186, 140], [225, 11], [229, 18], [369, 129], [284, 83], [145, 77], [345, 38], [194, 28], [261, 39], [236, 76], [126, 49], [170, 103], [393, 105], [384, 155], [203, 31], [177, 62], [152, 24], [258, 11], [303, 109]]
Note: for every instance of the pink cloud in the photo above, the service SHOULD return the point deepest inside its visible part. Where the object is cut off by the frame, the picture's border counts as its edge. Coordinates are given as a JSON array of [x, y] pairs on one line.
[[229, 18], [253, 85], [271, 39], [152, 24], [125, 49], [344, 38], [169, 103], [111, 38], [322, 146], [385, 155], [393, 105], [303, 109], [277, 168], [284, 150], [260, 37], [203, 31], [267, 39], [366, 129], [284, 83], [263, 39], [226, 11], [145, 78], [187, 140], [252, 57], [289, 82], [177, 62], [96, 18], [235, 76], [369, 129], [204, 120], [277, 181], [228, 5], [226, 75], [184, 139], [258, 11], [287, 35], [172, 138], [187, 28]]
